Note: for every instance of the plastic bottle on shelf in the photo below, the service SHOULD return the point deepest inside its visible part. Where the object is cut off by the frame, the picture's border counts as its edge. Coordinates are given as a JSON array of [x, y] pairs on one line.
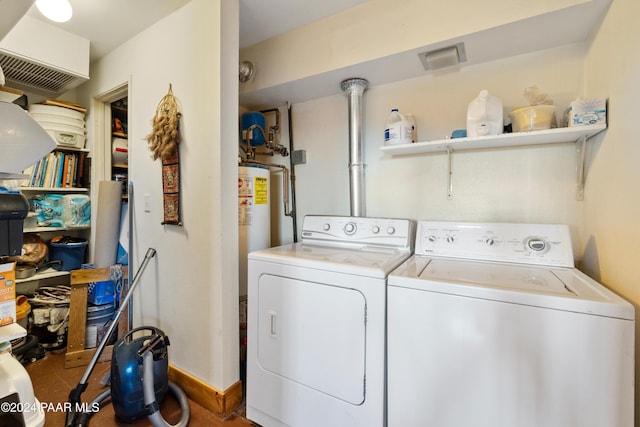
[[397, 129], [484, 115]]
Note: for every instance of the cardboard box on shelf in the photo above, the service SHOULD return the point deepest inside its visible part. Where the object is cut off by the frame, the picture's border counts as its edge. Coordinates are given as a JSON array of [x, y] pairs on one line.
[[7, 293], [587, 112]]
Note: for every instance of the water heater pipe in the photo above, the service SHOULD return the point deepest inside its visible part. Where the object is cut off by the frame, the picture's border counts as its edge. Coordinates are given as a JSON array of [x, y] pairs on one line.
[[354, 89], [277, 148], [285, 180], [292, 176]]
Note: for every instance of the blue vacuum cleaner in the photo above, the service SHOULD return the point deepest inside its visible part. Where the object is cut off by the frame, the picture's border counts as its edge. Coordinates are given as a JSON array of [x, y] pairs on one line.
[[127, 372], [139, 374]]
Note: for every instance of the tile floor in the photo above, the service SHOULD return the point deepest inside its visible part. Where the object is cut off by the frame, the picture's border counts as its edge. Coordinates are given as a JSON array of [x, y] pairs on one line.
[[52, 384]]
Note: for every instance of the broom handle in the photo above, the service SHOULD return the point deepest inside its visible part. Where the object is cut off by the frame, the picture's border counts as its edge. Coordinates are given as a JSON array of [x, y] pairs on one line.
[[114, 322]]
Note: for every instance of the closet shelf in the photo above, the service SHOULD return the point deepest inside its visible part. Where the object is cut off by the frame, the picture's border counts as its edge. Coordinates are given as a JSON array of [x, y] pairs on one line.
[[46, 229], [46, 274], [55, 189]]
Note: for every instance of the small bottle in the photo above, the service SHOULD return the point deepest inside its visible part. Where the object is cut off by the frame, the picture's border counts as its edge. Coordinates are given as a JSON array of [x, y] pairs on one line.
[[397, 129]]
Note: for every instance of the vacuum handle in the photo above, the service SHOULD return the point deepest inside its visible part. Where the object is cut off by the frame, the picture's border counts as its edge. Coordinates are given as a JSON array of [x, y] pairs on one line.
[[150, 345], [150, 254], [114, 322]]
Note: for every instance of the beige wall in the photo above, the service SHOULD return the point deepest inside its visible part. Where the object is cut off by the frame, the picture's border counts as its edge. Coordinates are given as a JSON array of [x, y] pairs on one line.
[[190, 289], [525, 184], [611, 228]]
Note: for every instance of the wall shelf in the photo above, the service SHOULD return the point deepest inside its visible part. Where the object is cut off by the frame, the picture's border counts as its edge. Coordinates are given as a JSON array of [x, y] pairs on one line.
[[540, 137], [577, 135]]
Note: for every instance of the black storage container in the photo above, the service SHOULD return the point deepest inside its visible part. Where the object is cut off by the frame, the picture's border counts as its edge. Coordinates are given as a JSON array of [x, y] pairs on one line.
[[14, 208]]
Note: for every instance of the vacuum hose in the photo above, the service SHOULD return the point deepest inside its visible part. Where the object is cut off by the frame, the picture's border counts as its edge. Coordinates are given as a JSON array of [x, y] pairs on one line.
[[150, 397]]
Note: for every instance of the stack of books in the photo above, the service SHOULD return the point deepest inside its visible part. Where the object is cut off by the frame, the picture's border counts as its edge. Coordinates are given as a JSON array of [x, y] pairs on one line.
[[61, 170]]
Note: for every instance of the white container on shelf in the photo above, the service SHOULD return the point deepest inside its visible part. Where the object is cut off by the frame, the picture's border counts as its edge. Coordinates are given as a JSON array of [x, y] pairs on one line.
[[397, 129], [64, 120], [67, 139], [484, 115], [535, 117], [66, 126], [56, 111], [62, 127], [119, 151]]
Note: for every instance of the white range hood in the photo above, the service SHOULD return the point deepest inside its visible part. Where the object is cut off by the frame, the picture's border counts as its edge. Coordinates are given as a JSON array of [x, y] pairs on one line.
[[40, 58]]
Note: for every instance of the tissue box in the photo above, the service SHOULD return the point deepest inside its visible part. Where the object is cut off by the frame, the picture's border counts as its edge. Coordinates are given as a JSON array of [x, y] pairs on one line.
[[7, 293], [587, 112]]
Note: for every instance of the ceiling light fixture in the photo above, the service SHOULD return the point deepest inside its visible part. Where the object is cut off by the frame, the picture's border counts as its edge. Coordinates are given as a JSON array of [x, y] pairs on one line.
[[55, 10]]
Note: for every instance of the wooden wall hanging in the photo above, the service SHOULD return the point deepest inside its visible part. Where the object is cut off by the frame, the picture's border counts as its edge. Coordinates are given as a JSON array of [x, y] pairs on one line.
[[164, 144]]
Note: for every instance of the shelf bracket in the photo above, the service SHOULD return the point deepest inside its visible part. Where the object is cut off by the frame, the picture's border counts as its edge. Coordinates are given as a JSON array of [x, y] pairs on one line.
[[581, 146], [449, 173]]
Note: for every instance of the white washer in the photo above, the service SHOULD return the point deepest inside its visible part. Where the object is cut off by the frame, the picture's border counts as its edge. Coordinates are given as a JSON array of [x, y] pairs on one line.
[[490, 325], [316, 323]]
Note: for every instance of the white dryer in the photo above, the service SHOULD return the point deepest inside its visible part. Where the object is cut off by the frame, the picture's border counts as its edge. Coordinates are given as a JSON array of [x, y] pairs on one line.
[[490, 325], [316, 323]]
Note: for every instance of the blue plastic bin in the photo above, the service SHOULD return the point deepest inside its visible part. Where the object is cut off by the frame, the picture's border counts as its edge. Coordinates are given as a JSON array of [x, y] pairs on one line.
[[104, 292], [70, 253]]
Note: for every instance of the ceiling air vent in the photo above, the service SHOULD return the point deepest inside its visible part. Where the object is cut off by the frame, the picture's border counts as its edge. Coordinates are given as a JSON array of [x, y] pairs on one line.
[[34, 77]]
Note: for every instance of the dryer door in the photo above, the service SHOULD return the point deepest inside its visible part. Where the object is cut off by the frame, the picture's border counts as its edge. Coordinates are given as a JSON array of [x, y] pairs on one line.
[[313, 334]]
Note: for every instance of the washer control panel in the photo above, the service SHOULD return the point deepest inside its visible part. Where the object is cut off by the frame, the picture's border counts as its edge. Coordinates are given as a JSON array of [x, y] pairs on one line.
[[539, 244], [383, 232]]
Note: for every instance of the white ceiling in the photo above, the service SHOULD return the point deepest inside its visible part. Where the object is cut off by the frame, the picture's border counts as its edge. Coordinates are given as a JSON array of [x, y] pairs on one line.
[[109, 23]]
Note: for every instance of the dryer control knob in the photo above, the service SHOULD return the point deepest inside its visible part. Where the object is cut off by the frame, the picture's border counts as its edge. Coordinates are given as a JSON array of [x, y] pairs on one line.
[[450, 239], [375, 229], [350, 228], [490, 241], [326, 227], [391, 230], [537, 244]]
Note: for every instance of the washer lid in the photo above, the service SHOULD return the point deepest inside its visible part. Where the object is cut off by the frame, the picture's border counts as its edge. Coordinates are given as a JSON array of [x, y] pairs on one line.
[[565, 289], [522, 278]]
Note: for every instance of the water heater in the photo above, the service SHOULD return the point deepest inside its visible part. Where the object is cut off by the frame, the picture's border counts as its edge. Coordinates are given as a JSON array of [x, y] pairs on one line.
[[253, 214]]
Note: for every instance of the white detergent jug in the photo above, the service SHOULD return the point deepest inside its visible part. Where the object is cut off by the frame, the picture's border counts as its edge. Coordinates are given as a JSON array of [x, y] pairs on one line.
[[397, 129], [484, 115]]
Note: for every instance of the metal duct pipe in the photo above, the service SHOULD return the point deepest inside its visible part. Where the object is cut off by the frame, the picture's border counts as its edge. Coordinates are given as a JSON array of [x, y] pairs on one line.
[[354, 89]]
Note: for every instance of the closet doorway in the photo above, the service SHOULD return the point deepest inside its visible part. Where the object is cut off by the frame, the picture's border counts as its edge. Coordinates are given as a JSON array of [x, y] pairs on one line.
[[110, 150]]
